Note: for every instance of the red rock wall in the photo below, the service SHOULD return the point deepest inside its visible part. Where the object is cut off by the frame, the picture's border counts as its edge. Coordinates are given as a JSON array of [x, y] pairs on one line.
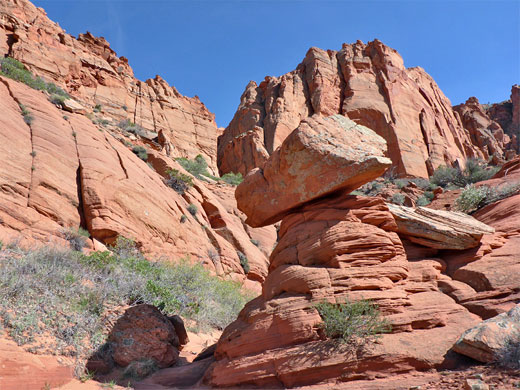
[[369, 84], [93, 74]]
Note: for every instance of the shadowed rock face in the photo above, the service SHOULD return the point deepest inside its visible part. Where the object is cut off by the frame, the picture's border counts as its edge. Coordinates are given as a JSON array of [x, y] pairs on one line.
[[93, 74], [322, 156], [366, 83]]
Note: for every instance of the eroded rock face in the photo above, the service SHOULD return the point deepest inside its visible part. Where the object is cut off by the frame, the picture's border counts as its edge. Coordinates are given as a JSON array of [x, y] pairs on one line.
[[366, 83], [345, 247], [322, 156], [93, 74], [485, 341], [62, 171]]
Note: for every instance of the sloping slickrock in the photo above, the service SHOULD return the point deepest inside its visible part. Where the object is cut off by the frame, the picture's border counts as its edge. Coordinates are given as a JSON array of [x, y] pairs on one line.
[[367, 83], [343, 247], [322, 156], [61, 172], [438, 228], [484, 341], [93, 74]]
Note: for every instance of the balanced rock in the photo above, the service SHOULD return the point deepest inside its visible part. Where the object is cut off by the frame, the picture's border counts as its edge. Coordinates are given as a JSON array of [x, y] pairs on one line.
[[485, 341], [438, 228], [320, 157]]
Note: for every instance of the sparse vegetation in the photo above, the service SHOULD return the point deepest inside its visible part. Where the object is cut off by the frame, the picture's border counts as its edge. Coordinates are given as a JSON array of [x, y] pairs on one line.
[[255, 242], [233, 179], [140, 369], [184, 218], [179, 181], [473, 198], [509, 355], [398, 199], [244, 262], [198, 167], [27, 116], [57, 99], [352, 322], [77, 238], [130, 127], [475, 171], [71, 296], [192, 209], [14, 69], [97, 108], [140, 151]]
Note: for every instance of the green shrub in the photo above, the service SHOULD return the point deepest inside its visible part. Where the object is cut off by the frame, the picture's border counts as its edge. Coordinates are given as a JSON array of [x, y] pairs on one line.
[[179, 181], [244, 262], [233, 179], [255, 242], [71, 295], [509, 355], [475, 171], [184, 218], [198, 167], [77, 238], [423, 201], [351, 322], [192, 209], [397, 199], [57, 99], [473, 198], [401, 183], [27, 116], [130, 127], [140, 151], [97, 108], [1, 244]]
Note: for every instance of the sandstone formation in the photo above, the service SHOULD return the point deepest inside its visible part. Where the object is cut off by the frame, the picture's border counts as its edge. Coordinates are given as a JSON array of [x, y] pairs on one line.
[[438, 229], [507, 114], [485, 341], [346, 247], [320, 157], [61, 171], [368, 84], [93, 74]]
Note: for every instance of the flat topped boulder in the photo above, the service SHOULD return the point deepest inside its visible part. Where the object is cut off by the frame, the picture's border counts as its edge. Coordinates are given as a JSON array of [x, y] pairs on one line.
[[321, 156], [438, 228]]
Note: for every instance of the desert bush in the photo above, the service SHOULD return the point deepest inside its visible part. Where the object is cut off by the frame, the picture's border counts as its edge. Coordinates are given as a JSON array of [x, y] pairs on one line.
[[255, 242], [97, 108], [140, 151], [71, 296], [397, 199], [184, 218], [27, 116], [473, 198], [352, 322], [475, 171], [130, 127], [509, 355], [233, 179], [57, 99], [77, 238], [179, 181], [423, 201], [244, 262], [192, 209], [198, 167]]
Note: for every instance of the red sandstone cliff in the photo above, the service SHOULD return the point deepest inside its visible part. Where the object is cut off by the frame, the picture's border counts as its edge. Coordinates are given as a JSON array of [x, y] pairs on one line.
[[370, 85]]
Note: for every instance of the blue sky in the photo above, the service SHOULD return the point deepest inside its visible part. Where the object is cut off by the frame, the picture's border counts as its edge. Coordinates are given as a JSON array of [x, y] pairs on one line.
[[213, 48]]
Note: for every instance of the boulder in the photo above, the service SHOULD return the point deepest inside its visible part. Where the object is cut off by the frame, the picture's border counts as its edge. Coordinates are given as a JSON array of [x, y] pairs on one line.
[[143, 332], [438, 229], [487, 340], [322, 156], [71, 105]]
